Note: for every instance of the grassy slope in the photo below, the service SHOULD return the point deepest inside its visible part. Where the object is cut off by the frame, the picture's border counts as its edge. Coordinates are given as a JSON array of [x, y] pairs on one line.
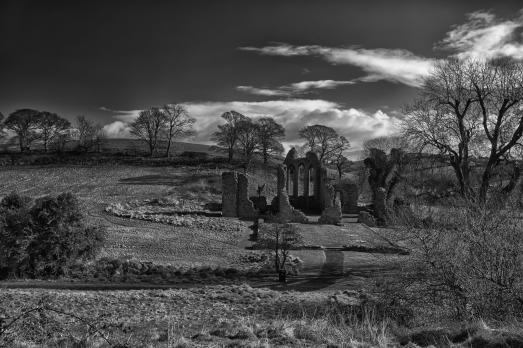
[[98, 186]]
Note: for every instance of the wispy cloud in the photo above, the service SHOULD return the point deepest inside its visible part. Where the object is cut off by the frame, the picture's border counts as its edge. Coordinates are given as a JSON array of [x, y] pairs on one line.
[[263, 91], [123, 115], [296, 88], [484, 36], [395, 65]]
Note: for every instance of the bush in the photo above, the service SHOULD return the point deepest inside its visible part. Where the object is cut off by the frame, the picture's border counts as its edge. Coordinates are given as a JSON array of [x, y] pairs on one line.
[[44, 239], [15, 234], [468, 260]]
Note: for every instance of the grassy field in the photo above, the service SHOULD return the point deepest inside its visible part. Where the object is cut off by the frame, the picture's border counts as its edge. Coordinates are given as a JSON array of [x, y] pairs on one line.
[[98, 186]]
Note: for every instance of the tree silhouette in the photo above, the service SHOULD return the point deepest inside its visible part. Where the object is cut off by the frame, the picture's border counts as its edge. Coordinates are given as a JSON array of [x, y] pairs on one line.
[[25, 123], [227, 134], [269, 133]]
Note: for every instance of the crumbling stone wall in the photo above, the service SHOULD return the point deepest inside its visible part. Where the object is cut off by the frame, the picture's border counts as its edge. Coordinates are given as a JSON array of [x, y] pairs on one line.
[[229, 194], [235, 196], [384, 179], [309, 197], [282, 205], [349, 194], [331, 214], [245, 205]]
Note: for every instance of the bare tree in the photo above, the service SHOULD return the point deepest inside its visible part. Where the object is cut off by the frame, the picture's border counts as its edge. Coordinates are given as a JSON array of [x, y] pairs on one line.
[[89, 133], [178, 123], [323, 140], [52, 126], [281, 238], [248, 140], [148, 127], [342, 163], [498, 89], [469, 109], [269, 133], [227, 134], [443, 118], [25, 123]]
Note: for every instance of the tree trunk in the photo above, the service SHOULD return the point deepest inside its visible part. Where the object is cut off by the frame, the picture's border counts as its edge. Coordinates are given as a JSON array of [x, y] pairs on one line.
[[485, 181], [168, 147], [21, 141], [151, 148], [231, 153]]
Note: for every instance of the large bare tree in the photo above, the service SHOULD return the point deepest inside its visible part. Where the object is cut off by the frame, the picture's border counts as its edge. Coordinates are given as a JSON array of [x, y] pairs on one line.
[[269, 134], [227, 134], [52, 126], [325, 141], [466, 110], [248, 141], [498, 89], [178, 123], [148, 127], [25, 124]]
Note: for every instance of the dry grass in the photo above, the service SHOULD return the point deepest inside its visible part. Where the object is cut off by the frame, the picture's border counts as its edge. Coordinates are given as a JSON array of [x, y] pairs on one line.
[[213, 316]]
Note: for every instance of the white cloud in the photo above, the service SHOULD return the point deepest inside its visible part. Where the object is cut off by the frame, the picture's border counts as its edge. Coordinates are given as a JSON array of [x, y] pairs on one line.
[[294, 114], [484, 36], [395, 65], [117, 129], [294, 88]]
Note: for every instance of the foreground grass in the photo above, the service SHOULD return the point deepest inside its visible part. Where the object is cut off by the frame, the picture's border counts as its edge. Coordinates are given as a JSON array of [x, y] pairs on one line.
[[211, 316], [224, 316]]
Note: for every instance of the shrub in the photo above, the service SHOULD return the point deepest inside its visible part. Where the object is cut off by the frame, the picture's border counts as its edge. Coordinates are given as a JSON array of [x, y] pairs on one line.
[[46, 238], [15, 234], [466, 259]]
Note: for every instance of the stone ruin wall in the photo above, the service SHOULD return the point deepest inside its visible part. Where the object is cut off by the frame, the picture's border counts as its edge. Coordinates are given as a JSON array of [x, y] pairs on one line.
[[240, 196]]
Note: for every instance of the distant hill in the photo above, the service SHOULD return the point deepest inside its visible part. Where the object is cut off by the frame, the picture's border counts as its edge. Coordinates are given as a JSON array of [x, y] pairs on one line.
[[129, 146]]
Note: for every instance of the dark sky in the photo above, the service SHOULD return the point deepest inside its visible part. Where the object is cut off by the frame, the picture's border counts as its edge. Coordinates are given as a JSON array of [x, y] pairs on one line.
[[74, 57]]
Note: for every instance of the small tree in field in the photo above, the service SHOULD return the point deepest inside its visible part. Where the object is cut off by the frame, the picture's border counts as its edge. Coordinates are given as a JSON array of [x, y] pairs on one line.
[[247, 143], [89, 134], [25, 123], [178, 123], [281, 238], [52, 127], [148, 127], [227, 134], [269, 134]]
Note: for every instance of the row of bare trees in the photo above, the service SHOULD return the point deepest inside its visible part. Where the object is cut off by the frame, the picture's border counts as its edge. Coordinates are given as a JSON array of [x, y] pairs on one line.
[[241, 134], [162, 124], [52, 131], [468, 110]]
